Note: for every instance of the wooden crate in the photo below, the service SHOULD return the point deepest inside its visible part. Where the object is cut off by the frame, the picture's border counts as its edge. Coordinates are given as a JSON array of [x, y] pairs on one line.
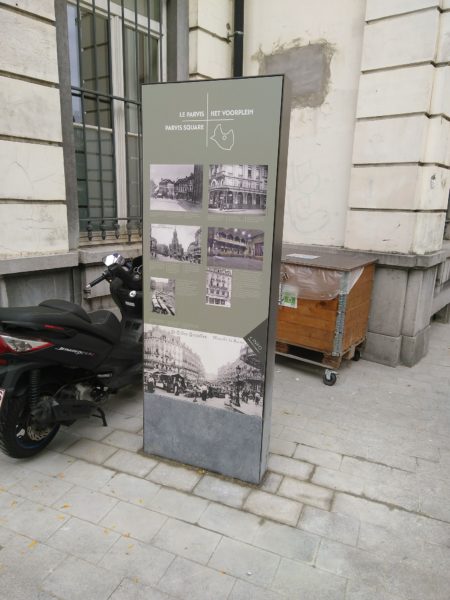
[[313, 325]]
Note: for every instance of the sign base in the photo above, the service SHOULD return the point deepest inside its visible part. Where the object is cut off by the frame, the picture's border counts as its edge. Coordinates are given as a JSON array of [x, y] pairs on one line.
[[222, 441]]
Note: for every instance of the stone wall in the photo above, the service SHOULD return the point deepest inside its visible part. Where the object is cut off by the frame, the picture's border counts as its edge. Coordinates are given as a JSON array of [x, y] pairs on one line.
[[401, 156], [369, 152], [32, 195]]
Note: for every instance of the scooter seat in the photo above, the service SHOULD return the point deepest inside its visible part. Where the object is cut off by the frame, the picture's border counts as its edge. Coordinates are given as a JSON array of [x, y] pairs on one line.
[[107, 321], [101, 323]]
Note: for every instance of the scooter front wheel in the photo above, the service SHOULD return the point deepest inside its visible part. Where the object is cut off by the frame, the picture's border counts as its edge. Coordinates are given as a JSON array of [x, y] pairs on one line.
[[20, 436]]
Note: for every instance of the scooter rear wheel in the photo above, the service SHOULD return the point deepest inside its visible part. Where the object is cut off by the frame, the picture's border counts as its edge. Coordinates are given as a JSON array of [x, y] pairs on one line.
[[20, 437]]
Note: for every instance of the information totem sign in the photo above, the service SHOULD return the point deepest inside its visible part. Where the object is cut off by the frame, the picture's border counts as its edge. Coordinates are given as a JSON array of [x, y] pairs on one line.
[[214, 171]]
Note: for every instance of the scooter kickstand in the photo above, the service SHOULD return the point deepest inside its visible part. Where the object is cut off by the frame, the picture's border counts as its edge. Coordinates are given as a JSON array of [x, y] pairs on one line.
[[100, 415]]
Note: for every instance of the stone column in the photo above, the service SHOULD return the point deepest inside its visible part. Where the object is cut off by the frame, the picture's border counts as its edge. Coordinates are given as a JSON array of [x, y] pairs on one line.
[[401, 158], [210, 52]]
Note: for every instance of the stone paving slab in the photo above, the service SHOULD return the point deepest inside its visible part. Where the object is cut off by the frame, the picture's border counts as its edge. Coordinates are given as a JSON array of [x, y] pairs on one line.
[[313, 583], [333, 526], [131, 590], [273, 507], [33, 520], [87, 475], [130, 462], [306, 493], [223, 491], [131, 489], [83, 540], [186, 579], [245, 562], [230, 522], [187, 540], [85, 504], [76, 579], [355, 505], [140, 561], [134, 521], [174, 476]]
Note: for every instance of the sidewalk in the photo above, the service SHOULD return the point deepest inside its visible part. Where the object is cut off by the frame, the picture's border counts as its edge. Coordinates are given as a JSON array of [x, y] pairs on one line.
[[355, 506]]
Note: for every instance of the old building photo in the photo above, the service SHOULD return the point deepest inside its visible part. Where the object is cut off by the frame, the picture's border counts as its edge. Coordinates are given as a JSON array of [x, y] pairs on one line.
[[206, 369], [176, 187], [163, 295], [175, 243], [218, 286], [238, 189], [234, 248]]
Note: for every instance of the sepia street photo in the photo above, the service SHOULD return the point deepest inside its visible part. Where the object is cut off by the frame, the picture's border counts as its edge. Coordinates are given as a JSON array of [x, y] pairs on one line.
[[175, 243], [163, 295], [206, 369], [240, 189], [218, 287], [234, 248], [176, 187]]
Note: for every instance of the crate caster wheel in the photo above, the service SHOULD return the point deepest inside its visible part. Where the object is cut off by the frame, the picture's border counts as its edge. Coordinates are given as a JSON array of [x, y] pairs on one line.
[[329, 377]]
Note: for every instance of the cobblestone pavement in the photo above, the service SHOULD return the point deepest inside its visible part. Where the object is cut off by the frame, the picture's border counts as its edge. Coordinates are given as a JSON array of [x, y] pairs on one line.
[[355, 505]]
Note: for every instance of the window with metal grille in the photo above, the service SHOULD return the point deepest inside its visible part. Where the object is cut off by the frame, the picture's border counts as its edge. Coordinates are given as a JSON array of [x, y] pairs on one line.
[[114, 47]]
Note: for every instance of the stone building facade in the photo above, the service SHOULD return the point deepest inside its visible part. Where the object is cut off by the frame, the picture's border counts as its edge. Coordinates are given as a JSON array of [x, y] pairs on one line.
[[369, 162], [369, 145]]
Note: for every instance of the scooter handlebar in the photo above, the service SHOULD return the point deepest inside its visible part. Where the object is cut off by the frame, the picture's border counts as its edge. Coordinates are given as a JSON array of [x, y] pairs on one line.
[[95, 282]]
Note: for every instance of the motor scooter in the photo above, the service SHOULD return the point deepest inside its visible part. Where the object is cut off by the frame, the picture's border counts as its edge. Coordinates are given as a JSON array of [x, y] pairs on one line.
[[59, 364]]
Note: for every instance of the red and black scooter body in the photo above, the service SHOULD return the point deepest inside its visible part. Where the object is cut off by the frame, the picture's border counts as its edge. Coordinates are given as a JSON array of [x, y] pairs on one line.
[[60, 362]]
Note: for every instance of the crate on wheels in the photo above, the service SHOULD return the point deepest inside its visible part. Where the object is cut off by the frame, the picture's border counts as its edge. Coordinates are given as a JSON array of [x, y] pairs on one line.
[[324, 308]]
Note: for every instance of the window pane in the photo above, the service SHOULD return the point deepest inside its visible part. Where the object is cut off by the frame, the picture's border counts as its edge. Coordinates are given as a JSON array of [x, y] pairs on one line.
[[142, 7], [97, 112], [100, 174], [77, 111], [137, 60], [154, 48], [94, 52]]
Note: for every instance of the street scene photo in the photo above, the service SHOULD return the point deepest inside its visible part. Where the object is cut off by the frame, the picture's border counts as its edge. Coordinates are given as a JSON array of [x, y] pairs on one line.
[[218, 286], [234, 248], [206, 369], [176, 187], [238, 189], [163, 295], [175, 243]]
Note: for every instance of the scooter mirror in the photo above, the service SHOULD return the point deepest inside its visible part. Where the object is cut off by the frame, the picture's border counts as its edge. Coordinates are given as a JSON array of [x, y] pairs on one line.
[[113, 259]]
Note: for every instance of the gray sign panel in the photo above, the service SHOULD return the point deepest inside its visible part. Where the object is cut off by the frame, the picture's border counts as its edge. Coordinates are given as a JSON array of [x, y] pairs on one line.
[[214, 172]]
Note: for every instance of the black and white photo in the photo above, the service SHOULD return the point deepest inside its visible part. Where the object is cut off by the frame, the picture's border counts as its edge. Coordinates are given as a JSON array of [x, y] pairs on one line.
[[240, 189], [203, 368], [175, 243], [218, 287], [176, 187], [234, 248], [163, 295]]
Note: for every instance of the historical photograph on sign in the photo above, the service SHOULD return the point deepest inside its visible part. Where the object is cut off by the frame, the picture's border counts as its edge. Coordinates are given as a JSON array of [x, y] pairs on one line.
[[206, 369], [175, 243], [163, 295], [240, 189], [176, 187], [218, 287], [233, 248]]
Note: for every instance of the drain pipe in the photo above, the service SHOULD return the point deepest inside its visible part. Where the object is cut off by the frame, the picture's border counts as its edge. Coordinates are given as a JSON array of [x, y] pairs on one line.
[[238, 38]]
